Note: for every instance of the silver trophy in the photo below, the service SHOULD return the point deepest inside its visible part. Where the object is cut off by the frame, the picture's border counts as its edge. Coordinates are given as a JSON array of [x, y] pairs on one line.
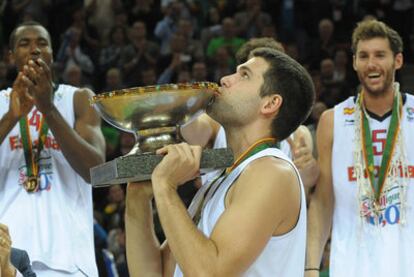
[[154, 115]]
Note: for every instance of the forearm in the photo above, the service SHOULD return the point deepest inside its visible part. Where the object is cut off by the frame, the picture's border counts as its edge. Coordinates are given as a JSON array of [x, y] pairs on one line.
[[143, 250], [80, 154], [6, 125], [194, 252], [319, 226]]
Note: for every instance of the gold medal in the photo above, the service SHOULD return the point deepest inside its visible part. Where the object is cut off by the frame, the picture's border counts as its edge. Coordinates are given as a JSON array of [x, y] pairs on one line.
[[31, 184]]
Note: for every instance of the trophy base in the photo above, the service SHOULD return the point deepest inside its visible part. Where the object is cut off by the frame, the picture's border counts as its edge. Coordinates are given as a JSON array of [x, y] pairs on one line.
[[139, 167]]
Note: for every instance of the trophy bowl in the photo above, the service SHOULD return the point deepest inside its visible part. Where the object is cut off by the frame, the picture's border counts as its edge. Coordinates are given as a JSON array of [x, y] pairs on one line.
[[154, 115]]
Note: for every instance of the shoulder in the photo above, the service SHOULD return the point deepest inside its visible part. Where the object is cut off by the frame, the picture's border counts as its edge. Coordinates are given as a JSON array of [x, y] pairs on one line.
[[269, 175], [82, 103], [327, 119], [84, 92], [270, 186], [83, 97]]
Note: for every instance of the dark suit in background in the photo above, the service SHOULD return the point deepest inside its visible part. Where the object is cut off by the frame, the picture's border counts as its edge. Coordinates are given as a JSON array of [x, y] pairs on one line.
[[20, 260]]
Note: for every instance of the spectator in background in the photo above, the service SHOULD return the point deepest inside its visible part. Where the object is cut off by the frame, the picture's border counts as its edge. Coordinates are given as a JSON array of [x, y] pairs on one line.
[[148, 11], [199, 72], [221, 64], [213, 27], [116, 204], [110, 55], [333, 91], [101, 15], [184, 76], [251, 19], [228, 39], [89, 38], [166, 27], [148, 77], [177, 60], [73, 76], [36, 9], [71, 53], [193, 47], [116, 245], [325, 45], [138, 54], [113, 80], [343, 72], [327, 67]]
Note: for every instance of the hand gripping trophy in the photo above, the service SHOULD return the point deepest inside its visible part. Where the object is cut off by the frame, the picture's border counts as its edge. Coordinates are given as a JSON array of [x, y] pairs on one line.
[[154, 115]]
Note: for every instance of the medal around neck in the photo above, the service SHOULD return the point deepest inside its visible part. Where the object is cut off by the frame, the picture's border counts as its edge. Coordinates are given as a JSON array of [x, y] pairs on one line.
[[154, 115]]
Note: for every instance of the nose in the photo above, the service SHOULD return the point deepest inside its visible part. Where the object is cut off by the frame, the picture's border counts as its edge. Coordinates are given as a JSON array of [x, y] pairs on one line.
[[227, 80], [371, 62], [34, 49]]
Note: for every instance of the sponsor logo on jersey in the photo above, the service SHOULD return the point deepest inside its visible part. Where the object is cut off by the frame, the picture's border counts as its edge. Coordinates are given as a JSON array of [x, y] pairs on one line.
[[349, 110]]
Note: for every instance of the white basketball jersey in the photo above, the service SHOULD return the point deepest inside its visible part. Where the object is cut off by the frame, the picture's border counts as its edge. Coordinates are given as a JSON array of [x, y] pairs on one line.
[[55, 224], [283, 255], [358, 246]]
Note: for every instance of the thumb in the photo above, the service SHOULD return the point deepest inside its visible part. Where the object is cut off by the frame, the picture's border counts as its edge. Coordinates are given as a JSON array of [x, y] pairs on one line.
[[302, 141]]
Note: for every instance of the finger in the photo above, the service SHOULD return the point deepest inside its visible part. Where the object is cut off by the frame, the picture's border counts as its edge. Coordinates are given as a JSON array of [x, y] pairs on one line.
[[184, 152], [302, 141], [33, 65], [27, 81], [44, 68], [31, 73], [162, 150]]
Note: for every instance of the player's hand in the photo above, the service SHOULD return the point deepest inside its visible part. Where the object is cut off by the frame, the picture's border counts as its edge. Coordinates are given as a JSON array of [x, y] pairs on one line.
[[180, 164], [304, 161], [21, 102], [40, 84]]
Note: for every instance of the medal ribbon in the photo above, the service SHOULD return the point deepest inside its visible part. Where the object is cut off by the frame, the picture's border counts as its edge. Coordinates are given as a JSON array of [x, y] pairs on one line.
[[253, 149], [32, 157], [367, 149]]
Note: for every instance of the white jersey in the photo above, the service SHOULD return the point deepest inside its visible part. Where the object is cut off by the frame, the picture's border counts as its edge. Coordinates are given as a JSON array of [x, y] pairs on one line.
[[55, 224], [283, 255], [358, 246]]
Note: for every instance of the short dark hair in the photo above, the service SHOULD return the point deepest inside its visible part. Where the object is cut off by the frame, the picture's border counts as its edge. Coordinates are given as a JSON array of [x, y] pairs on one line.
[[243, 53], [369, 29], [12, 39], [289, 79]]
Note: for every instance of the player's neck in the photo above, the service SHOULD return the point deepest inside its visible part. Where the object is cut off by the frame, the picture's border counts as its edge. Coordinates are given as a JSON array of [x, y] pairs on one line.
[[379, 104], [244, 138]]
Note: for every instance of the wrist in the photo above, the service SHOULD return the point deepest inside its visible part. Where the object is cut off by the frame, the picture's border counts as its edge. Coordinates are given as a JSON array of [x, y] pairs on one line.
[[49, 110], [162, 188]]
